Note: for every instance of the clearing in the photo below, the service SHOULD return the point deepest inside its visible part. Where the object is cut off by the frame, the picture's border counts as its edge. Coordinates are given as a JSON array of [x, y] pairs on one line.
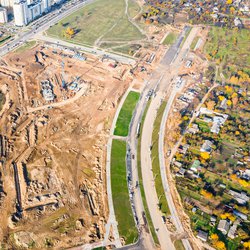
[[230, 48], [101, 22]]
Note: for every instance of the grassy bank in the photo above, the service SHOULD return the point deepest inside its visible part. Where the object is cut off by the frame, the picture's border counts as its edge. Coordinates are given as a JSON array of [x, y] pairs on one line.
[[126, 113], [120, 194]]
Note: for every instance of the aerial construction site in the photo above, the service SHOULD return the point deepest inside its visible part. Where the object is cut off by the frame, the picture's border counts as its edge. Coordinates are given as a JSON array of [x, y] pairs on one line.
[[54, 125]]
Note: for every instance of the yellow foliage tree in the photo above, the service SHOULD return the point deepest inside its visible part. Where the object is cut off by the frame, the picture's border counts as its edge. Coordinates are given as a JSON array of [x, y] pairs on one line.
[[234, 80], [69, 32], [232, 10], [205, 155], [231, 217], [246, 244], [244, 183], [206, 194], [229, 102], [210, 105], [214, 237], [229, 89], [237, 132], [220, 245], [221, 98], [233, 177], [234, 95]]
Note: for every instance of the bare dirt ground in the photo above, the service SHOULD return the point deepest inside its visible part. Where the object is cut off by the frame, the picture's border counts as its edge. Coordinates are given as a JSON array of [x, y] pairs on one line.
[[59, 152], [52, 168]]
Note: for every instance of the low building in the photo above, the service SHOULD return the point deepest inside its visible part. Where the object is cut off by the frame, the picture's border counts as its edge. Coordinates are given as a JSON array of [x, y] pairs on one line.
[[218, 121], [232, 231], [196, 166], [242, 198], [202, 235], [237, 22], [183, 148], [207, 146], [223, 104], [181, 172], [206, 111], [223, 226], [240, 215], [177, 164], [213, 220], [194, 129]]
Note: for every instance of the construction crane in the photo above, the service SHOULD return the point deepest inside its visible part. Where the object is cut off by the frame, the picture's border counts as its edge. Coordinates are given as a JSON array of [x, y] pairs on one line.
[[64, 86]]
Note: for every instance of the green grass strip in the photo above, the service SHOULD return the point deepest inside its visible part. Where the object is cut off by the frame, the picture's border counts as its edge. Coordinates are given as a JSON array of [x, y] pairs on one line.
[[179, 245], [126, 113], [195, 41], [185, 37], [120, 194], [170, 38], [163, 204]]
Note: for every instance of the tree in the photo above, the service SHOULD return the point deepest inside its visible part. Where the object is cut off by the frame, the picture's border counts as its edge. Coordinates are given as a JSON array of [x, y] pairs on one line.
[[69, 32], [229, 102], [210, 105], [205, 155], [221, 98], [214, 237], [220, 245], [206, 194], [246, 244]]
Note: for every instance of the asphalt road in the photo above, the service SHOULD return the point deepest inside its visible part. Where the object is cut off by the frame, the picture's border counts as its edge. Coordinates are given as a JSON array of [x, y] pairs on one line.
[[97, 51], [161, 83], [25, 36]]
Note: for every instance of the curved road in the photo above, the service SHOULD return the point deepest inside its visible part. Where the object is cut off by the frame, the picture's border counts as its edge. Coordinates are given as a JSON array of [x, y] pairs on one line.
[[167, 71]]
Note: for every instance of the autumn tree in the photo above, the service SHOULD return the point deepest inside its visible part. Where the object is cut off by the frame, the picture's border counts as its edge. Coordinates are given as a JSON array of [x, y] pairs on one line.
[[69, 32]]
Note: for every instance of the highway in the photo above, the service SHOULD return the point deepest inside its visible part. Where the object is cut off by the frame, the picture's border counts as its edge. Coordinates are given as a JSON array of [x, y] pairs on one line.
[[161, 83], [25, 36]]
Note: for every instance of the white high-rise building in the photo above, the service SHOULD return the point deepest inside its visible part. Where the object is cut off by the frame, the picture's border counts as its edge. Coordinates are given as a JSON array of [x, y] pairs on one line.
[[25, 11], [20, 10], [7, 3], [3, 15]]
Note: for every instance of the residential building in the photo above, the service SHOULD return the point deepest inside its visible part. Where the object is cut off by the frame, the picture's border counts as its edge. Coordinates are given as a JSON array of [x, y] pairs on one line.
[[242, 198], [194, 129], [207, 146], [223, 226], [7, 3], [232, 231], [3, 15], [240, 215], [218, 121], [25, 11], [202, 235], [196, 166]]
